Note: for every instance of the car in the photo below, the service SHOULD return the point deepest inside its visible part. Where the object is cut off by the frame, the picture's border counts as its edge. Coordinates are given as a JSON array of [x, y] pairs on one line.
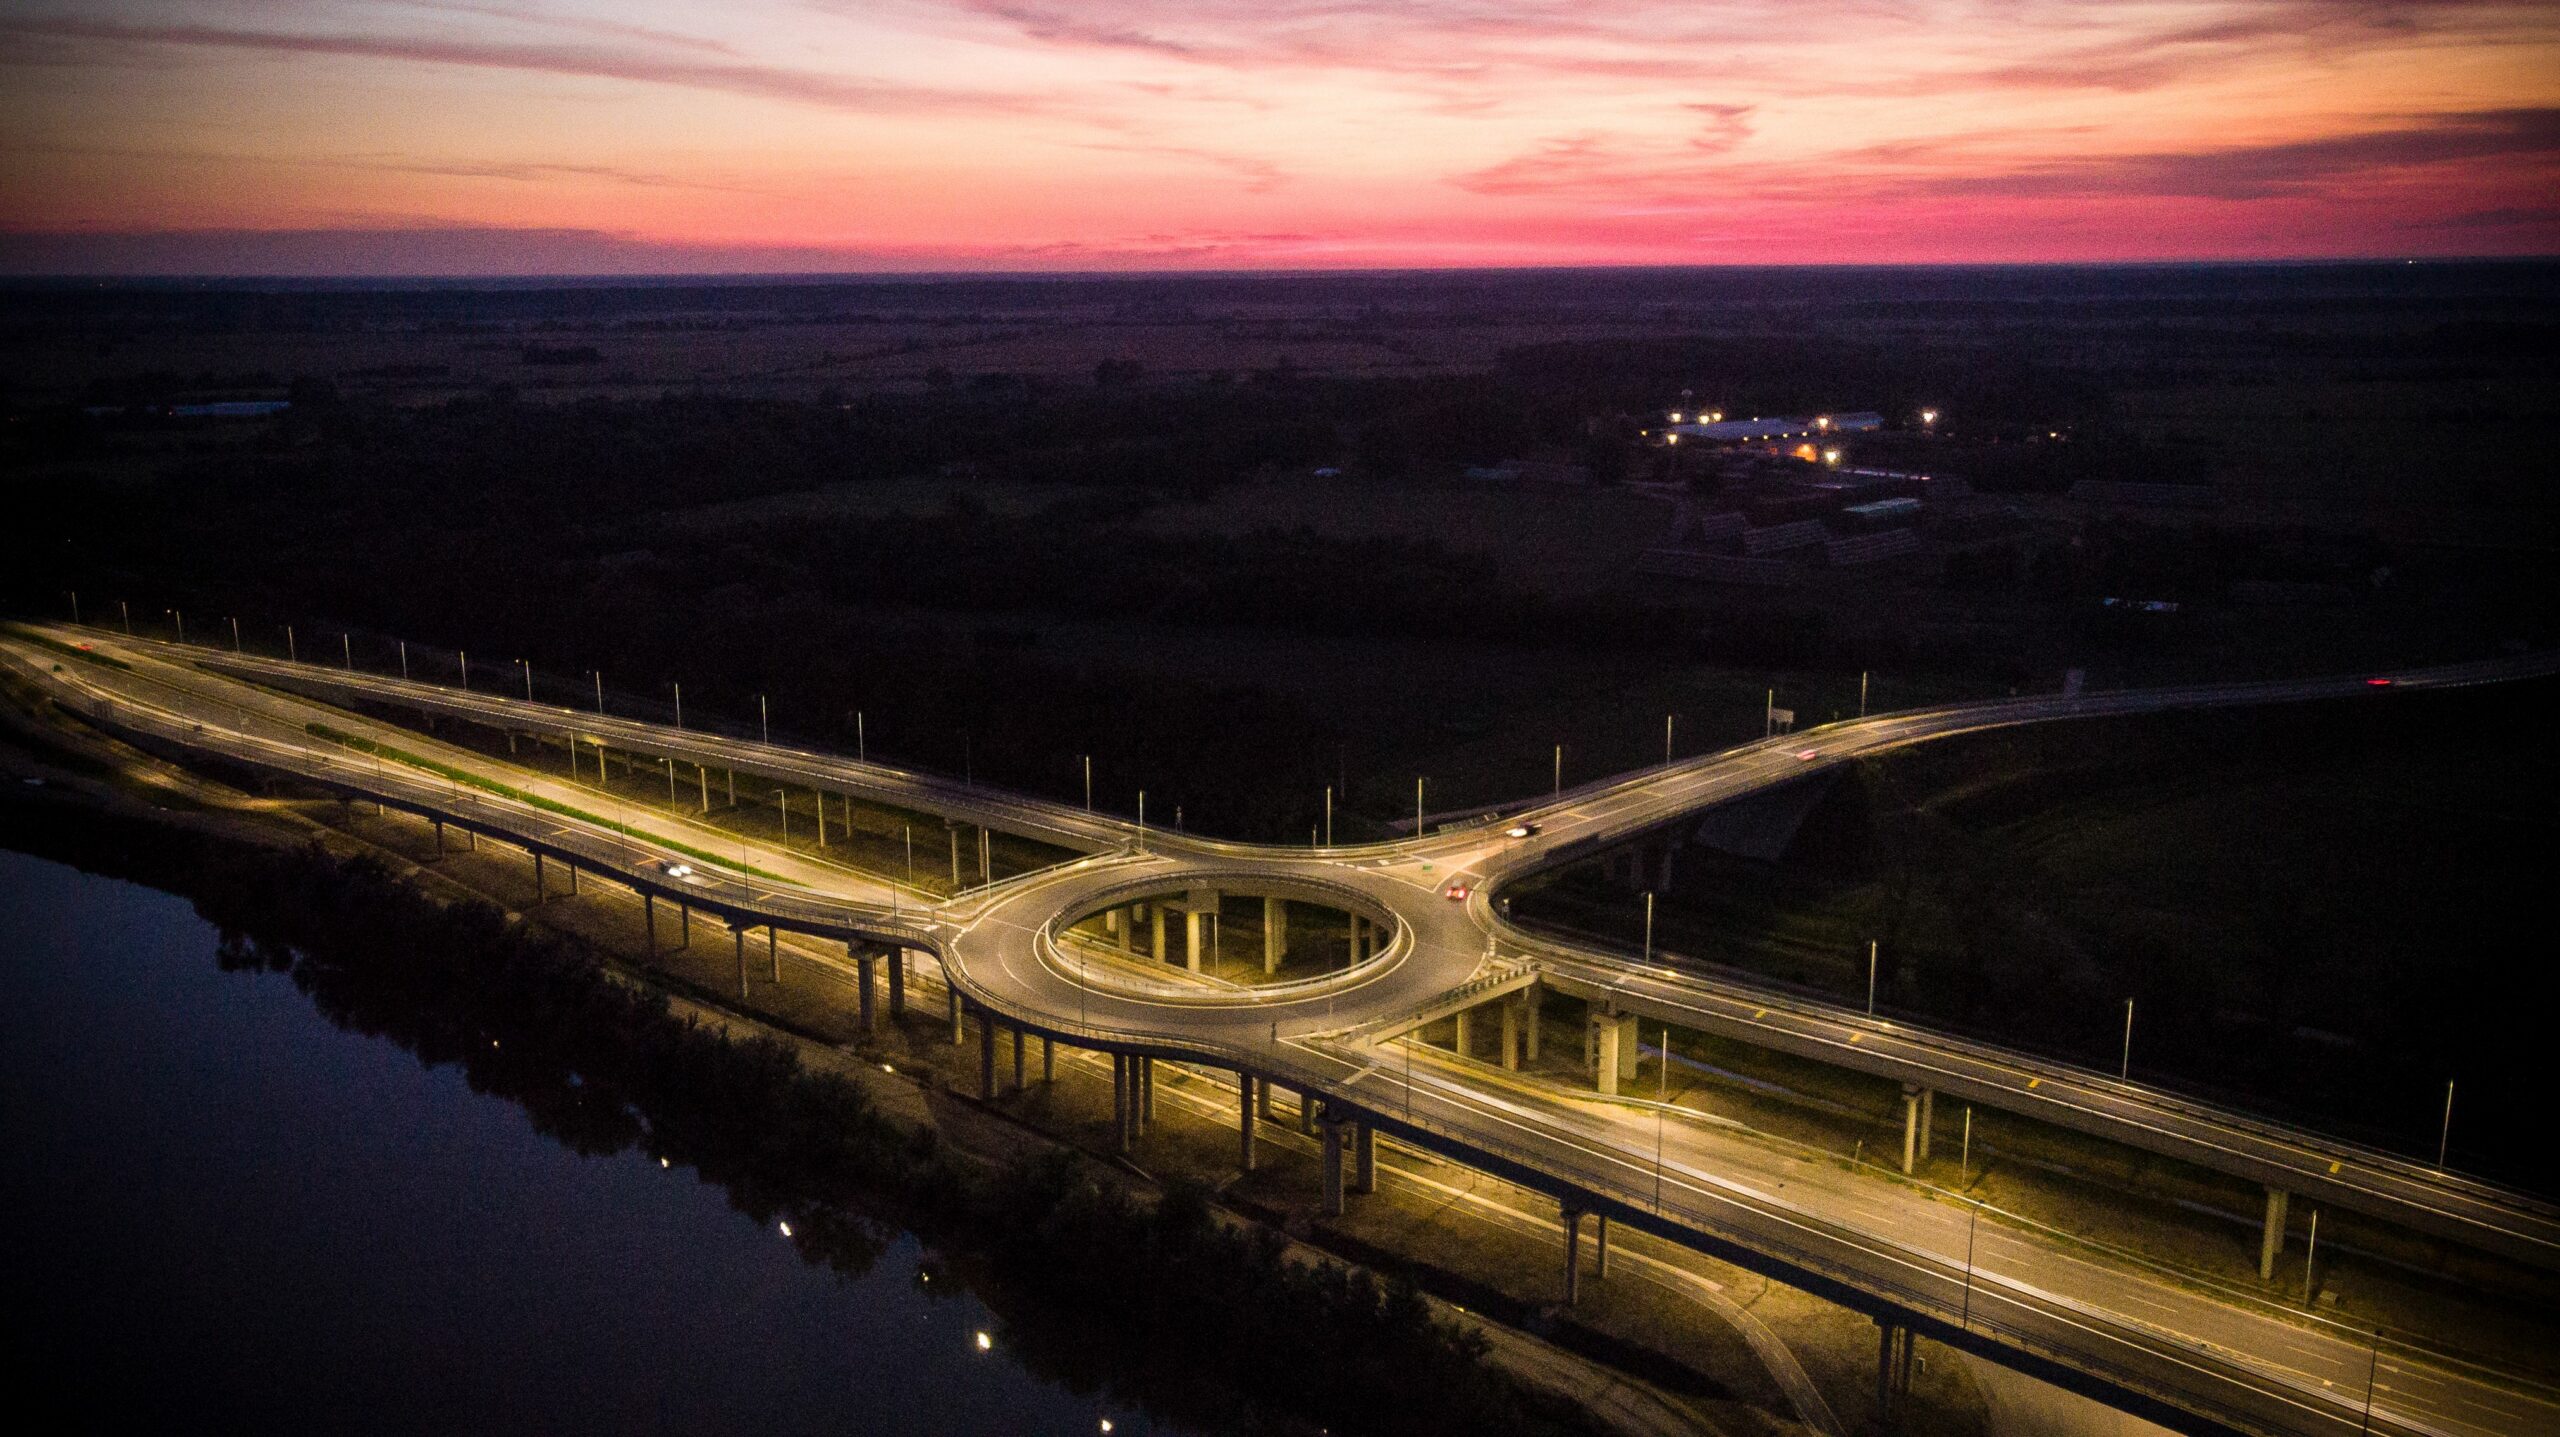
[[679, 870], [1808, 755], [2377, 683], [1522, 830], [1456, 892]]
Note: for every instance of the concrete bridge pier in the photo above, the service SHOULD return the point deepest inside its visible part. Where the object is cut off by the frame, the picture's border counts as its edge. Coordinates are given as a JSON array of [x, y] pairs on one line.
[[538, 894], [1919, 1108], [957, 1036], [1245, 1085], [573, 878], [1155, 936], [1333, 1127], [862, 975], [649, 918], [684, 918], [1275, 933], [1511, 1035], [897, 983], [1529, 1021], [1600, 1248], [1893, 1372], [1146, 1095], [439, 824], [986, 1056], [1364, 1159], [1572, 1255], [1460, 1043], [738, 931], [1120, 1102], [1048, 1059], [1306, 1112], [1262, 1099], [2271, 1234], [1021, 1041], [773, 950], [1191, 938], [1613, 1050]]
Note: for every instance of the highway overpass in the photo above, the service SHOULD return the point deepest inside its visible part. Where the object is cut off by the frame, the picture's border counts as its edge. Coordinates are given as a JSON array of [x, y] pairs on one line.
[[2206, 1359]]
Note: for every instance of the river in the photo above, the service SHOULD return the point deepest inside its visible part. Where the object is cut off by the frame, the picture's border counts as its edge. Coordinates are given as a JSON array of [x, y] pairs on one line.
[[223, 1211]]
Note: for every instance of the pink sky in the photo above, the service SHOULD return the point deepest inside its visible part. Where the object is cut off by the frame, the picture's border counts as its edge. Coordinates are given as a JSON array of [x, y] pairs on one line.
[[505, 136]]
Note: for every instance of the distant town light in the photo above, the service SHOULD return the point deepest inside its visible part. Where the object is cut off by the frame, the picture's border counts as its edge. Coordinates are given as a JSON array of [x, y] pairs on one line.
[[1830, 456], [1928, 416], [1670, 438], [1822, 421], [1675, 416], [986, 1341], [786, 1229]]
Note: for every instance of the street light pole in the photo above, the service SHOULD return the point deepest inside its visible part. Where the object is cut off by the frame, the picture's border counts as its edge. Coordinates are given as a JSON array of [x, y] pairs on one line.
[[347, 650], [599, 673], [1871, 977], [1666, 740], [1417, 808], [527, 666], [404, 661], [1142, 823], [764, 719], [1328, 815], [2444, 1139], [679, 688], [1559, 793], [1862, 693], [235, 636], [1648, 928], [862, 744], [1088, 783], [2124, 1071], [463, 654]]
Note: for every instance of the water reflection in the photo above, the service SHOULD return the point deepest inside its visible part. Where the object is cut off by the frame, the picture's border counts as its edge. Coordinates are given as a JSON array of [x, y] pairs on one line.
[[228, 1205]]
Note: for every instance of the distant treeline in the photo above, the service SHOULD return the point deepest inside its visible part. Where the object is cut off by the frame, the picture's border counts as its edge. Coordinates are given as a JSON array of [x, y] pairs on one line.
[[1208, 1324]]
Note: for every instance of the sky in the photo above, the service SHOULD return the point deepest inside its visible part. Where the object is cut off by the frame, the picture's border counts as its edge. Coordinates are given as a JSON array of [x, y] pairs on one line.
[[351, 137]]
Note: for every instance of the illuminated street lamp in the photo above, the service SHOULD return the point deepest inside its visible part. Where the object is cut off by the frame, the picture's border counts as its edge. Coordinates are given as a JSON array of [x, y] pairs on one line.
[[1928, 417], [1831, 457]]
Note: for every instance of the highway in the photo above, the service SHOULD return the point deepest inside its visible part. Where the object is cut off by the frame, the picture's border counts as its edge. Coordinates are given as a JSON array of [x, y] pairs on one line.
[[2228, 1358]]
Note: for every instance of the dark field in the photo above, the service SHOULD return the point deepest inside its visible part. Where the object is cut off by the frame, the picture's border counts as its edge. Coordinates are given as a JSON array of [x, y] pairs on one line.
[[2328, 911], [1015, 522]]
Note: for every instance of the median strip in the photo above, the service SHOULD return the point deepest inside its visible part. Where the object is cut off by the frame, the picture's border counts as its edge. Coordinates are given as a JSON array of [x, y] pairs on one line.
[[361, 744]]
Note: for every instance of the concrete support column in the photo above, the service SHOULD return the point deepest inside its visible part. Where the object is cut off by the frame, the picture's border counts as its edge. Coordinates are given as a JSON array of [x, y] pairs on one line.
[[684, 921], [1459, 1037], [1262, 1099], [1111, 925], [2271, 1235], [986, 1056], [1910, 1124], [1155, 937], [573, 878], [538, 894], [1572, 1256], [863, 962], [1020, 1042], [957, 1037], [1600, 1246], [1048, 1059], [1191, 939], [897, 983], [1275, 933], [1630, 1050], [1364, 1159], [1928, 1119], [1332, 1165], [1510, 1034], [773, 950], [1120, 1102], [439, 824], [1605, 1056], [1529, 1021], [1146, 1095], [739, 932], [1245, 1084], [1306, 1111], [1886, 1333], [1351, 948], [649, 917]]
